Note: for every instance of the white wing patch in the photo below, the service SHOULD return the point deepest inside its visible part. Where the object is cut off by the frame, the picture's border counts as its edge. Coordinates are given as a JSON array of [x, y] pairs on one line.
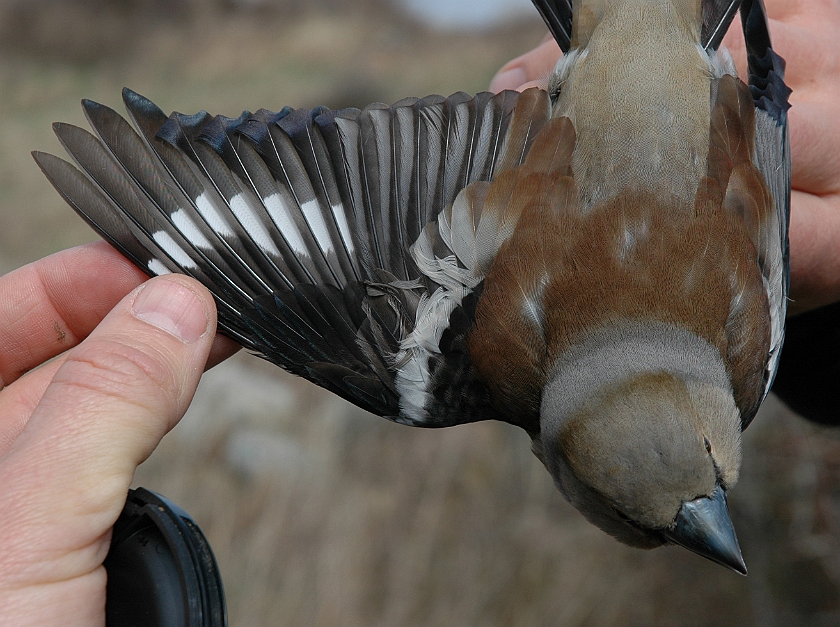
[[343, 227], [278, 209], [252, 224], [184, 223], [211, 214], [157, 268], [312, 213], [171, 248]]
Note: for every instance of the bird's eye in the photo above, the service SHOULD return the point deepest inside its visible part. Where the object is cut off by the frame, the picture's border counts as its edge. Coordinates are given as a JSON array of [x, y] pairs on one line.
[[708, 445]]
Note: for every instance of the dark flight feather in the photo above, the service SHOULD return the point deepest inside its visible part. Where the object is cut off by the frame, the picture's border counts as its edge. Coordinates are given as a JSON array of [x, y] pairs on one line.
[[303, 223], [557, 15]]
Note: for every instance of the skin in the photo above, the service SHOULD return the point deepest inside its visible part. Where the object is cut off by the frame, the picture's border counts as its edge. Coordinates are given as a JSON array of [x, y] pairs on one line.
[[80, 424], [804, 33], [88, 387]]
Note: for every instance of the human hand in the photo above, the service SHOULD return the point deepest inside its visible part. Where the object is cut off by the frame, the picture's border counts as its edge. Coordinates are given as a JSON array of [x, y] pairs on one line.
[[804, 33], [73, 429]]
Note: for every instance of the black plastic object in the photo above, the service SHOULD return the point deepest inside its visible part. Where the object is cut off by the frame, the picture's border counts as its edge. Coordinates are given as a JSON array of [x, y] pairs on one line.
[[808, 380], [161, 571]]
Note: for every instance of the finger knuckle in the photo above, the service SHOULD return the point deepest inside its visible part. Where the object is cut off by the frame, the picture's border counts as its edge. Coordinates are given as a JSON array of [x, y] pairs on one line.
[[120, 371]]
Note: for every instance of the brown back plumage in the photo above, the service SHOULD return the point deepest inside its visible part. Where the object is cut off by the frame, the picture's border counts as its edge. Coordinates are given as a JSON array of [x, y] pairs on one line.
[[565, 272]]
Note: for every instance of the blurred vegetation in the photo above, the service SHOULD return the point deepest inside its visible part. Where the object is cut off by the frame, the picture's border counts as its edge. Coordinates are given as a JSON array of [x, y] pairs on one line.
[[319, 513], [90, 30]]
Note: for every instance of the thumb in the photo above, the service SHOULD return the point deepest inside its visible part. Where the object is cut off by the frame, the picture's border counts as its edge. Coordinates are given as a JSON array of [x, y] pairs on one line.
[[64, 480]]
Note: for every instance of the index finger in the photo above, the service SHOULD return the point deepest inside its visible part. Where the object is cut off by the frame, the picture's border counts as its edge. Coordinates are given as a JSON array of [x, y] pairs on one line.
[[52, 304]]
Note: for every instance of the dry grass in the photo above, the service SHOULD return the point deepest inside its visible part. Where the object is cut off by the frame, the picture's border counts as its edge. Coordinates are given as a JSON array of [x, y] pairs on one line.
[[323, 515]]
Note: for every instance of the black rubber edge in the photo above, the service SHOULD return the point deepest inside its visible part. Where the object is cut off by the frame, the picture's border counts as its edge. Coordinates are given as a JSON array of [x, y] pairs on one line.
[[161, 570]]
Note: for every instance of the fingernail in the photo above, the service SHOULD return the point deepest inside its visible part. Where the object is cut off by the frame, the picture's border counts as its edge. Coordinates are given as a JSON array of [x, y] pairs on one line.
[[171, 307], [508, 79]]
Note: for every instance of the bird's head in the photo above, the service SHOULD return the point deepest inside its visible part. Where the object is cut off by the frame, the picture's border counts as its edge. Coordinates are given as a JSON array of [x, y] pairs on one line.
[[649, 459]]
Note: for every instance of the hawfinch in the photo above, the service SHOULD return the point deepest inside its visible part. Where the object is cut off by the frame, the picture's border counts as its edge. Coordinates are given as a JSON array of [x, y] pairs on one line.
[[604, 264]]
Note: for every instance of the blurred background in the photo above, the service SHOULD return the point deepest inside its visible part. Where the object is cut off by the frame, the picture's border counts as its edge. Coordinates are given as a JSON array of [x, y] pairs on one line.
[[321, 514]]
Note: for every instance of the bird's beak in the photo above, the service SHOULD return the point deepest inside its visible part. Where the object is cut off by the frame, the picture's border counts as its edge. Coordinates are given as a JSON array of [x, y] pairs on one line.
[[703, 526]]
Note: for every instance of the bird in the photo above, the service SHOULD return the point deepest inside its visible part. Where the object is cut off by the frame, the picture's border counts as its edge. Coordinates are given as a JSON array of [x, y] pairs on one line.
[[602, 263]]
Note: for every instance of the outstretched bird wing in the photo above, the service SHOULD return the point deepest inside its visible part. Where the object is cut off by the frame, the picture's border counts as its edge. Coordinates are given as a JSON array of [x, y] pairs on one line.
[[320, 232]]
